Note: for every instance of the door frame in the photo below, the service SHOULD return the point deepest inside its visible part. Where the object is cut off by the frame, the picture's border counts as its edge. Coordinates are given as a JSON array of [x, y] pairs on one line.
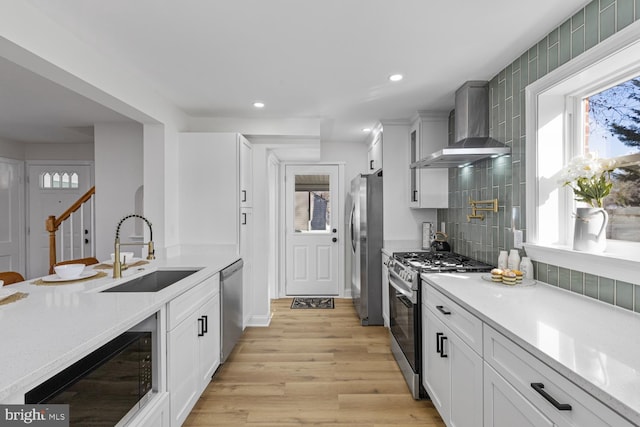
[[21, 214], [27, 193], [339, 220]]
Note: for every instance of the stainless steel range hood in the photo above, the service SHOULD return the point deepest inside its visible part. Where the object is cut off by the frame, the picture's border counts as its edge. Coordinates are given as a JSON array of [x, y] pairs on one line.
[[471, 131]]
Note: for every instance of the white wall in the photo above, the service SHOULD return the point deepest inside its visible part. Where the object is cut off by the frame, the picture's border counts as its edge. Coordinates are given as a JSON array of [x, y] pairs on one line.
[[118, 175], [402, 225], [55, 151], [11, 149]]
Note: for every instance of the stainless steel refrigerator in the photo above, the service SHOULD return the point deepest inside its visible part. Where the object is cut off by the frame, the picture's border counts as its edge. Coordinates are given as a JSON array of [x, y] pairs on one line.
[[365, 227]]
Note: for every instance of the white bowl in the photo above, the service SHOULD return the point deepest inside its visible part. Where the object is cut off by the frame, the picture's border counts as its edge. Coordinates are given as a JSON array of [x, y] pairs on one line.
[[69, 271], [123, 255]]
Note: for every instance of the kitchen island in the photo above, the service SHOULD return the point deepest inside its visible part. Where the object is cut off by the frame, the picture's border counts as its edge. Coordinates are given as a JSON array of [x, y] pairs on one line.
[[57, 325], [593, 345]]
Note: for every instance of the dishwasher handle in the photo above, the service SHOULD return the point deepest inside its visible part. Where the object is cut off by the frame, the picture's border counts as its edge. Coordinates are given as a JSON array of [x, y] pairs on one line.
[[230, 270]]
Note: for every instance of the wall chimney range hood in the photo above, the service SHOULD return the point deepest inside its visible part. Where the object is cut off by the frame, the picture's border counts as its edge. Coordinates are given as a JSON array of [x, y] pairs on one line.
[[471, 131]]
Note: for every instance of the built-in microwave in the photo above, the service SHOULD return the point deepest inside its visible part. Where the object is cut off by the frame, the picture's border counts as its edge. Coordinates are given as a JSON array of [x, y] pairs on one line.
[[108, 386]]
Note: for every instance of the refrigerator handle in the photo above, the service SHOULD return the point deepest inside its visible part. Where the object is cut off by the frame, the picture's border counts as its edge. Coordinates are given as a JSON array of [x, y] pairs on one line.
[[353, 241]]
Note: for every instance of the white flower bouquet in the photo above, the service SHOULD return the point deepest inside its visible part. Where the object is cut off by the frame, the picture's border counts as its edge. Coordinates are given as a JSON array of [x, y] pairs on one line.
[[589, 177]]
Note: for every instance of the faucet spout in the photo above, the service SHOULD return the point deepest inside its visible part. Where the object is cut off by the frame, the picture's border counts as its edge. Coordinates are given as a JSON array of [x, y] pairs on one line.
[[117, 265]]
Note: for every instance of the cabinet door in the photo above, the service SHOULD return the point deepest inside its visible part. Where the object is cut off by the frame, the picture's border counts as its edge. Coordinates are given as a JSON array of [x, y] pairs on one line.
[[385, 290], [183, 376], [209, 342], [437, 367], [466, 382], [504, 406], [414, 174], [246, 173], [433, 183], [246, 252], [375, 154]]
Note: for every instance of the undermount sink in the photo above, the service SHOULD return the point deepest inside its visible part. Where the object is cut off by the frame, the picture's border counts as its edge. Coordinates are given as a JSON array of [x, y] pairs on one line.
[[152, 282]]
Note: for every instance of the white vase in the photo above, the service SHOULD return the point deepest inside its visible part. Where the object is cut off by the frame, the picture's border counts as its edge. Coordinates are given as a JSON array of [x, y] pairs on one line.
[[590, 232]]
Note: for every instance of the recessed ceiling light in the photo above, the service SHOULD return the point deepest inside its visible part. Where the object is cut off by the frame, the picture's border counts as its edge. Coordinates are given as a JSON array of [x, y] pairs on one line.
[[258, 104], [396, 77], [366, 129]]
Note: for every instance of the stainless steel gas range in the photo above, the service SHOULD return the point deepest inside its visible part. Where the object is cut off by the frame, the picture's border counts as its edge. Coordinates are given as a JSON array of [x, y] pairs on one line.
[[405, 314]]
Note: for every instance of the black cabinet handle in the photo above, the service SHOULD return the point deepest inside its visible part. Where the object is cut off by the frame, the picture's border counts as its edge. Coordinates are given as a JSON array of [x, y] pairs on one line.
[[415, 196], [205, 327], [244, 219], [200, 327], [442, 310], [438, 336], [539, 387], [244, 195], [442, 340], [371, 164]]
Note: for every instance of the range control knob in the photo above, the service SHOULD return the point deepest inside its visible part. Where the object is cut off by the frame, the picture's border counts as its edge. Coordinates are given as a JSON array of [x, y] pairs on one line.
[[409, 278]]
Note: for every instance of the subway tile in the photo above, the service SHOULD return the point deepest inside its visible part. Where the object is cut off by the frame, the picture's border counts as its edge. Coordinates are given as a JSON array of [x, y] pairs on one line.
[[524, 70], [577, 20], [515, 88], [552, 272], [533, 52], [577, 42], [624, 13], [636, 293], [564, 278], [591, 285], [607, 21], [624, 295], [508, 109], [554, 36], [515, 129], [542, 58], [515, 65], [565, 42], [605, 4], [554, 57], [591, 25], [533, 70], [523, 209], [606, 290], [637, 9], [577, 282]]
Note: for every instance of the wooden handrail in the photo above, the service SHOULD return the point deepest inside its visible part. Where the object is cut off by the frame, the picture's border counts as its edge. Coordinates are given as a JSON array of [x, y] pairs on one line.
[[52, 223]]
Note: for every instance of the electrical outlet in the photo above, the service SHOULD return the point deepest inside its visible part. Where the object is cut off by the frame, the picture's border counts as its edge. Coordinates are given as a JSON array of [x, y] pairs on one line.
[[517, 239]]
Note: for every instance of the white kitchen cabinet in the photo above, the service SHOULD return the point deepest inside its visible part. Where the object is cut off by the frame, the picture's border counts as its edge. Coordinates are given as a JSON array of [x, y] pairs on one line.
[[155, 414], [374, 155], [428, 187], [246, 173], [504, 406], [452, 373], [385, 289], [539, 386], [214, 177], [246, 252], [193, 345]]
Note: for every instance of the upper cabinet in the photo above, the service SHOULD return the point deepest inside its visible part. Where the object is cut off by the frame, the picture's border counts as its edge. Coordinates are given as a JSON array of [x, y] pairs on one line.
[[246, 173], [428, 188], [375, 154]]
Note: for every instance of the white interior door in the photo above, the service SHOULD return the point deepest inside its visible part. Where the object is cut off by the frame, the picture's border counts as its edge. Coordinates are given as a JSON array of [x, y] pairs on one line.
[[51, 194], [313, 207], [12, 214]]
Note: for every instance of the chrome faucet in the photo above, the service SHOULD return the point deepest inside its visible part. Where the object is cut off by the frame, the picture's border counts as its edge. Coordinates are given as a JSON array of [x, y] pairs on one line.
[[117, 265]]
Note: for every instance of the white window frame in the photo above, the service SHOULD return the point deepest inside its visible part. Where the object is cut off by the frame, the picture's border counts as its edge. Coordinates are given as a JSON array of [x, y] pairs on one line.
[[553, 109]]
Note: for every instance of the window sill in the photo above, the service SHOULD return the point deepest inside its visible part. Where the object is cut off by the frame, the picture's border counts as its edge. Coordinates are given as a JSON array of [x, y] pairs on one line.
[[618, 263]]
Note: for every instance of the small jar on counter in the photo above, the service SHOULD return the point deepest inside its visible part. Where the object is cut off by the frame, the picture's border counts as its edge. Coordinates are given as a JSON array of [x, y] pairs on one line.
[[502, 260], [526, 266], [513, 261]]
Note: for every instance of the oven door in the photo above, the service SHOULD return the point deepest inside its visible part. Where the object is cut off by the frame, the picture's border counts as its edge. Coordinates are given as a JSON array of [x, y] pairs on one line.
[[403, 313]]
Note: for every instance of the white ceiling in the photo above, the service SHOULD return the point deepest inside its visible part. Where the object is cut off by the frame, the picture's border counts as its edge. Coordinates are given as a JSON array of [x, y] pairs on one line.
[[326, 59]]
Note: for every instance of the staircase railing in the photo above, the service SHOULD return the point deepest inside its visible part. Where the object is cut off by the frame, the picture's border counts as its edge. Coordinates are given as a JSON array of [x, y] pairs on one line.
[[55, 225]]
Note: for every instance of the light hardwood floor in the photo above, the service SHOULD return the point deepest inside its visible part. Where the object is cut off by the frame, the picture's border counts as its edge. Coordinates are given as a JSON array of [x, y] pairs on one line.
[[311, 367]]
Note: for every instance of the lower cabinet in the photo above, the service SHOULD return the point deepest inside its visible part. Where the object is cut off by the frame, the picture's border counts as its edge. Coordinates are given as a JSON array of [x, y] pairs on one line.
[[453, 374], [193, 346], [154, 414]]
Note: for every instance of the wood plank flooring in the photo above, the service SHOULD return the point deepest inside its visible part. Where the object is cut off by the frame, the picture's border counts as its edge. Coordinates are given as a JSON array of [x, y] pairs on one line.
[[312, 367]]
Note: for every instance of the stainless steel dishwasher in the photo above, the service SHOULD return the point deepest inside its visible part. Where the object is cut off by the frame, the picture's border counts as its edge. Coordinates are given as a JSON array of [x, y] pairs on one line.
[[231, 317]]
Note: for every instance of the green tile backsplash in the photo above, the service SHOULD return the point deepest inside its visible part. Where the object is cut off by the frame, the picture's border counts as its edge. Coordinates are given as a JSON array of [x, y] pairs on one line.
[[504, 178]]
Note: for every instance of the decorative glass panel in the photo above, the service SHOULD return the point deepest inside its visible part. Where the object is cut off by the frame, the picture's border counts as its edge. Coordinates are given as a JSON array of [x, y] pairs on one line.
[[46, 180], [74, 180], [312, 203], [59, 180], [65, 180], [56, 180]]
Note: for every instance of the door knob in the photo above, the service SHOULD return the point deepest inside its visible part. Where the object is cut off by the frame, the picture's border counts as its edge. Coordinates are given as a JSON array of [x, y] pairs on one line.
[[335, 230], [334, 239]]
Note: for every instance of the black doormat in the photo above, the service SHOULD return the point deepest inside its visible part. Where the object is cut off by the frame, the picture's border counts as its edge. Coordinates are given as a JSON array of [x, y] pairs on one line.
[[312, 303]]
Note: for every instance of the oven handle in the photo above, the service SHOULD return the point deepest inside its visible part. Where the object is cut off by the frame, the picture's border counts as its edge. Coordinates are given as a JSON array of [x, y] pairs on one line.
[[406, 293]]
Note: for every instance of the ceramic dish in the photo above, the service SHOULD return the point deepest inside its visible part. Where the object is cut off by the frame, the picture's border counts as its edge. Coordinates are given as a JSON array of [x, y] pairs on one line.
[[6, 293], [84, 275], [525, 282]]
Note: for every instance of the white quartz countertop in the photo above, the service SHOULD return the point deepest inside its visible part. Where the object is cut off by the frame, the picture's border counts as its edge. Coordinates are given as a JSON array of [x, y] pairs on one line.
[[57, 325], [593, 344]]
